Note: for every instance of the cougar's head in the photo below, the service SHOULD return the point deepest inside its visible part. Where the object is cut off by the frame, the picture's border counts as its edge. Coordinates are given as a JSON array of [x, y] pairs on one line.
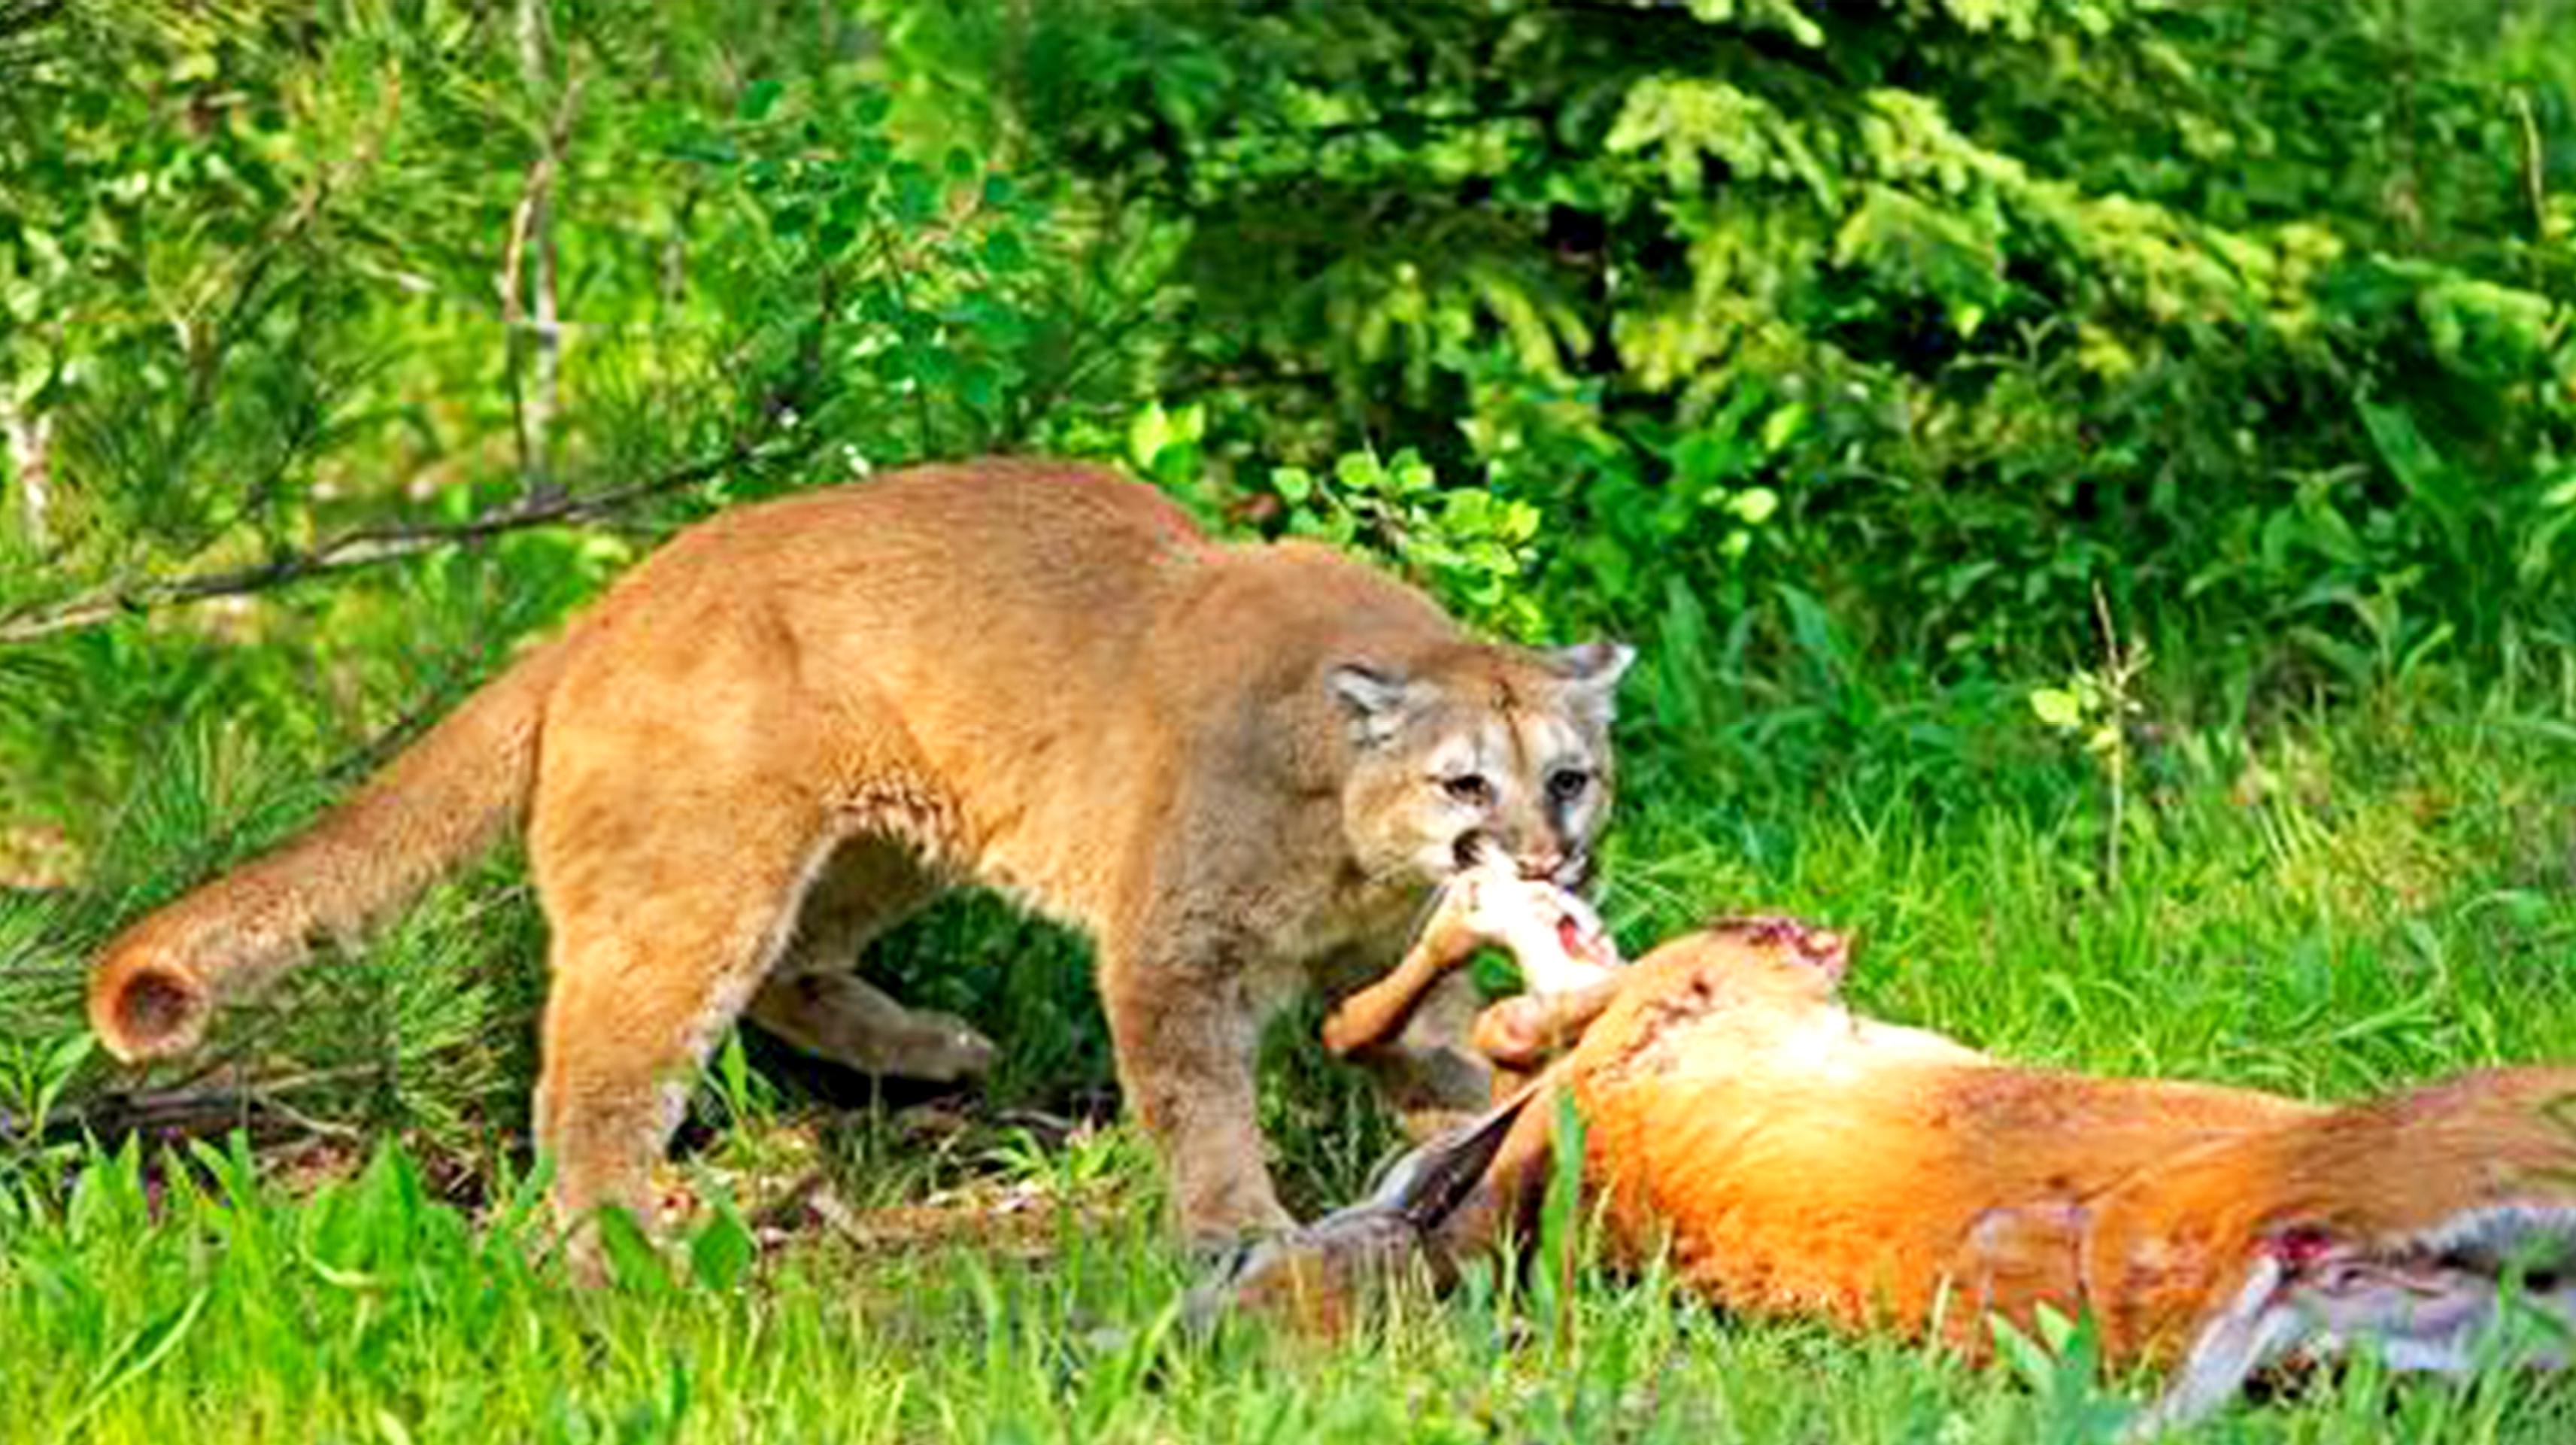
[[1479, 749]]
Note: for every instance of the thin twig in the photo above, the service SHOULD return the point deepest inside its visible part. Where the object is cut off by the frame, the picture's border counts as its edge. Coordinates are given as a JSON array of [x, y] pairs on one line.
[[364, 547], [30, 443], [2535, 184], [532, 239]]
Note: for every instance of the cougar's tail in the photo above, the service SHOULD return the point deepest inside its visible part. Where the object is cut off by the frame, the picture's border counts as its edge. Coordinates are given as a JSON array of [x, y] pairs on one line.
[[443, 798]]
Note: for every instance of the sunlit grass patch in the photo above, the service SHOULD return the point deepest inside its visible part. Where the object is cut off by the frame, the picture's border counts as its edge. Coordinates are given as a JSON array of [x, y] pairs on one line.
[[865, 1263]]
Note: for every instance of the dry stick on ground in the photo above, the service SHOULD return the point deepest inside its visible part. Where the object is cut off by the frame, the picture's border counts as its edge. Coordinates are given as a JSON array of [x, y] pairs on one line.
[[186, 1109], [367, 547]]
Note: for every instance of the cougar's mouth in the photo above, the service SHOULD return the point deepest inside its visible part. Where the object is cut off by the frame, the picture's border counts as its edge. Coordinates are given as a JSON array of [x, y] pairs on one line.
[[1478, 849]]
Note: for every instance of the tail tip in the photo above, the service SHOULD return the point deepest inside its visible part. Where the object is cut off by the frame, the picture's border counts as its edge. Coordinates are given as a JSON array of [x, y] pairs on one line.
[[151, 1012]]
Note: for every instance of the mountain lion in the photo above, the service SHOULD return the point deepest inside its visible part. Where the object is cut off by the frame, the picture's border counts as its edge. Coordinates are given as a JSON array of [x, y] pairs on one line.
[[1236, 768]]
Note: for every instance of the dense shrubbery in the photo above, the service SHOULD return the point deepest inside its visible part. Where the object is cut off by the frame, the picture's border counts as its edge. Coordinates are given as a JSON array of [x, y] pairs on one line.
[[2256, 317], [1930, 319]]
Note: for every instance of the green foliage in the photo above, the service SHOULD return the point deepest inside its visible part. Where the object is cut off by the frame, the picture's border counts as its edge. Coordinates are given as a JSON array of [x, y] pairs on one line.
[[1848, 357], [2062, 1365], [1468, 544], [1948, 313], [2394, 904], [927, 332], [303, 349]]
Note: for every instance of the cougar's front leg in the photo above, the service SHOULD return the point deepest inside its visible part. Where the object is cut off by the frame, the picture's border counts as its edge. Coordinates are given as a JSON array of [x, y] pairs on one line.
[[1185, 1022]]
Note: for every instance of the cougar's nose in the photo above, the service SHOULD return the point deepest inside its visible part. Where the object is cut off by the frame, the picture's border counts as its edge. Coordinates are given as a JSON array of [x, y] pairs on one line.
[[1574, 874], [1543, 864]]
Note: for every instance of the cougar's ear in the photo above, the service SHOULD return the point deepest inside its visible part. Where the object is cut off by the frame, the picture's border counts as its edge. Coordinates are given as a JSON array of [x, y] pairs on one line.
[[1375, 698], [1591, 672]]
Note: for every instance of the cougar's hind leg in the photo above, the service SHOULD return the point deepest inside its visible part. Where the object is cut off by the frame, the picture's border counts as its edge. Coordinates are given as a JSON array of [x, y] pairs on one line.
[[656, 949], [815, 1000], [683, 804]]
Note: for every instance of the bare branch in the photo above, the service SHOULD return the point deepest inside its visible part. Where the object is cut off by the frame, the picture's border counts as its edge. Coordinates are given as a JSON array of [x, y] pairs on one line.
[[30, 441], [186, 1110], [364, 547], [528, 264]]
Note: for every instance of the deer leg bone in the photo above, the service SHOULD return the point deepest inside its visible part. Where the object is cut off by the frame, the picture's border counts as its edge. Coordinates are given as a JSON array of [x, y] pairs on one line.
[[1554, 935]]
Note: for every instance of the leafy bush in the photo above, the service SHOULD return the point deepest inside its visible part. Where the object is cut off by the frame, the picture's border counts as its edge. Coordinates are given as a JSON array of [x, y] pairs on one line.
[[1844, 355], [2257, 317]]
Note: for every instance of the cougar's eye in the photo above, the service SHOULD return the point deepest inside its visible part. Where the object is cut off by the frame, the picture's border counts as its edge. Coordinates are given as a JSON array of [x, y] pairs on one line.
[[1470, 788], [1567, 784]]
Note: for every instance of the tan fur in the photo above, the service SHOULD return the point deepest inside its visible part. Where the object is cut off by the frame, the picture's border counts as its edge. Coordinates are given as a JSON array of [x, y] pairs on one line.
[[1797, 1160], [1235, 768]]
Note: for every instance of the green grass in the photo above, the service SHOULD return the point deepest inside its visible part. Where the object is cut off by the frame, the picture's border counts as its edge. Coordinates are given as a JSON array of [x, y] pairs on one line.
[[2324, 906]]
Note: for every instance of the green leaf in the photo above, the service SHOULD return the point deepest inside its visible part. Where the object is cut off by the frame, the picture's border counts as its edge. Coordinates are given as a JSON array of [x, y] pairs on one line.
[[1468, 513], [1148, 432], [916, 195], [1004, 251], [632, 1260], [722, 1252], [1781, 426], [2026, 1356], [2058, 708], [135, 1357], [1754, 505]]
